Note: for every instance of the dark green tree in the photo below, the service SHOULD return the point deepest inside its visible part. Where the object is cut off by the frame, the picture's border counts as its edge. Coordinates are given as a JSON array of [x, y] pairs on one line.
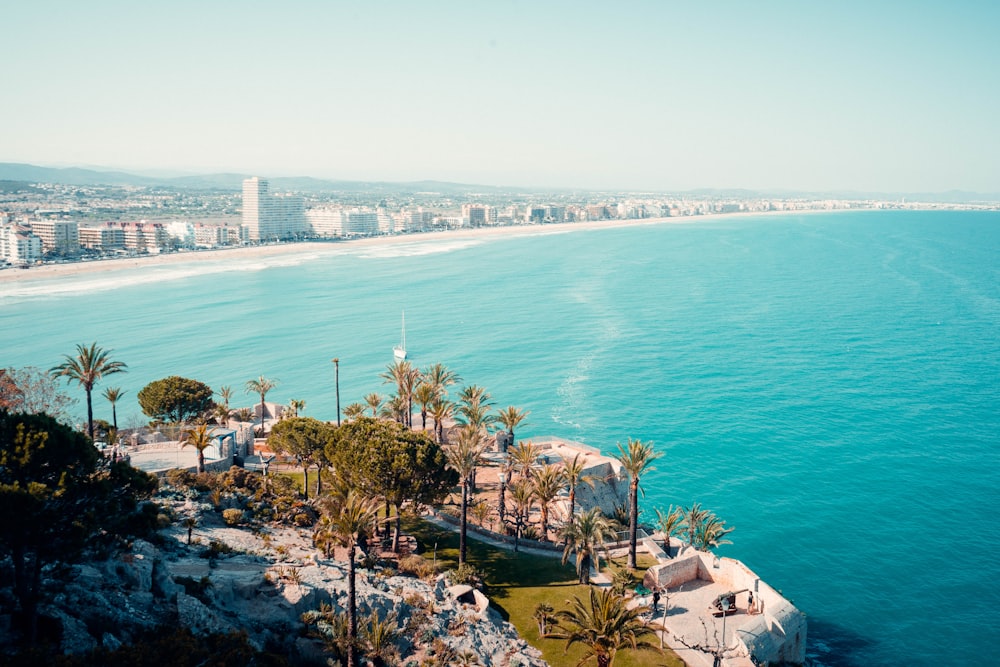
[[385, 460], [175, 399], [55, 500], [306, 439]]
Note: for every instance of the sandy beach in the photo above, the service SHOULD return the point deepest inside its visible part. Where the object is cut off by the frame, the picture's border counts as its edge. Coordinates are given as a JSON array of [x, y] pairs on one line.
[[50, 271]]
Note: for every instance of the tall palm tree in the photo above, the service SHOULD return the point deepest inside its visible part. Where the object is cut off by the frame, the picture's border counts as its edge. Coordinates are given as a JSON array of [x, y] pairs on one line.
[[585, 536], [441, 410], [395, 409], [523, 456], [636, 458], [464, 458], [112, 394], [505, 473], [199, 438], [547, 482], [226, 394], [605, 625], [669, 523], [424, 395], [88, 366], [261, 386], [439, 377], [511, 418], [405, 376], [374, 401], [573, 469], [356, 514]]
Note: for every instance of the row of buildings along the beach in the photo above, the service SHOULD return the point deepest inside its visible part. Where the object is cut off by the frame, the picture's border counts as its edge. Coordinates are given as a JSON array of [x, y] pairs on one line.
[[30, 235]]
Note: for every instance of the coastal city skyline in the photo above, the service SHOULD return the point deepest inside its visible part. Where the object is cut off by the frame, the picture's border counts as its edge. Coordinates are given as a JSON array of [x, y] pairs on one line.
[[640, 96]]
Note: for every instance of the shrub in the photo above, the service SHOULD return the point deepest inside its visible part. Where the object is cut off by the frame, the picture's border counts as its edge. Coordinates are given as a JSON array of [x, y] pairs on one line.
[[529, 533], [466, 574], [416, 566], [302, 520], [232, 517], [180, 479]]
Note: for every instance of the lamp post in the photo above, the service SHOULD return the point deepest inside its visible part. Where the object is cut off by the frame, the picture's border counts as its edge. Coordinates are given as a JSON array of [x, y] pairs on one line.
[[502, 509], [336, 380], [725, 610]]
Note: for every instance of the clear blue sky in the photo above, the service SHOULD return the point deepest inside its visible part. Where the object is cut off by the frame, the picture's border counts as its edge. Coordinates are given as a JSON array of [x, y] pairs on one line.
[[889, 96]]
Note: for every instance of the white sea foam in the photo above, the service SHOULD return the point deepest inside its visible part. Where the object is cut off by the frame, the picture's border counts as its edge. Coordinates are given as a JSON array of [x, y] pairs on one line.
[[415, 249]]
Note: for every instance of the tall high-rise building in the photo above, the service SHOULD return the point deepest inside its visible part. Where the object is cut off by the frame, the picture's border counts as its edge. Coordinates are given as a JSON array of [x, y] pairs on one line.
[[268, 217], [61, 236]]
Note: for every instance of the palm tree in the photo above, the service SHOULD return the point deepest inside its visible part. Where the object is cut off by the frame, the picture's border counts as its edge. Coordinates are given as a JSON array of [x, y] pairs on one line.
[[694, 516], [297, 405], [261, 386], [511, 417], [405, 376], [199, 438], [439, 378], [523, 494], [355, 516], [226, 394], [395, 409], [374, 401], [669, 523], [381, 635], [441, 410], [585, 535], [548, 482], [605, 626], [573, 470], [711, 533], [244, 415], [112, 394], [353, 411], [88, 366], [637, 458], [464, 458], [523, 456], [424, 395]]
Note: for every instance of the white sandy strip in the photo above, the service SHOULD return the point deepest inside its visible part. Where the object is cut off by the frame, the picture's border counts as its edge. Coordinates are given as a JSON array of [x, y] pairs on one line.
[[48, 271]]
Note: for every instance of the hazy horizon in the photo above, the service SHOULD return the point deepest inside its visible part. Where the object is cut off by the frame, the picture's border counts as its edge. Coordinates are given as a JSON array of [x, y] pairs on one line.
[[636, 96]]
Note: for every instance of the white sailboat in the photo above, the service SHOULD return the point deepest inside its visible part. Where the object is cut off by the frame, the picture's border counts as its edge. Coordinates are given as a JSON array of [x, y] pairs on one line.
[[399, 351]]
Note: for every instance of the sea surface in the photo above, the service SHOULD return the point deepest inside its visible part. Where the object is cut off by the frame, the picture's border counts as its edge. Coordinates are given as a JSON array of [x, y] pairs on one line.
[[826, 383]]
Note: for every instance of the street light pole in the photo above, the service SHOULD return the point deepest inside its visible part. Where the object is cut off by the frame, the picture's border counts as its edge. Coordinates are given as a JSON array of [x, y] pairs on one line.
[[725, 611], [336, 374]]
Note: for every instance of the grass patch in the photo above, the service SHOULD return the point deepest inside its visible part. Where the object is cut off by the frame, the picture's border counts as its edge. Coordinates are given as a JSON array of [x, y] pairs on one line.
[[517, 583]]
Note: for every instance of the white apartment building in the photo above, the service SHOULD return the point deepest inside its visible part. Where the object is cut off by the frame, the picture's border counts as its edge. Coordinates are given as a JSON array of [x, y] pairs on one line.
[[18, 245], [342, 222], [270, 217], [57, 235]]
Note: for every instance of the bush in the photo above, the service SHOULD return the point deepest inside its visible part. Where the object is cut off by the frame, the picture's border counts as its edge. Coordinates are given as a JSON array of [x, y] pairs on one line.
[[180, 479], [529, 533], [416, 566], [466, 574], [302, 520], [232, 517]]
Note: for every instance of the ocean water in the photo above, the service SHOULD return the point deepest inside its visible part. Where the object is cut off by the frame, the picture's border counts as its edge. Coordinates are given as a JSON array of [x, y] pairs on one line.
[[826, 383]]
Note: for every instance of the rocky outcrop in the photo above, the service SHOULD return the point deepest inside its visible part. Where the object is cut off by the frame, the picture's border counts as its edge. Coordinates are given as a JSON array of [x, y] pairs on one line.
[[263, 587]]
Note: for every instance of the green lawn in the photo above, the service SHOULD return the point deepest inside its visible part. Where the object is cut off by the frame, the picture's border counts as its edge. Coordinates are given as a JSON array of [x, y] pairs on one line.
[[517, 583]]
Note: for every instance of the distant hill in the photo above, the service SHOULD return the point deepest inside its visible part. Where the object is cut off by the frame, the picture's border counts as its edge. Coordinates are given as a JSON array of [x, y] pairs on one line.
[[229, 182], [29, 173]]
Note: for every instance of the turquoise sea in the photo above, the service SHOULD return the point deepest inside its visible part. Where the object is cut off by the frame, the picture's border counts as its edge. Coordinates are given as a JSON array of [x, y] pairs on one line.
[[826, 383]]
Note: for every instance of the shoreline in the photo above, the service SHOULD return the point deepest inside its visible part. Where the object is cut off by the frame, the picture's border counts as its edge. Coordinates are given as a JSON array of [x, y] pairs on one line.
[[99, 266]]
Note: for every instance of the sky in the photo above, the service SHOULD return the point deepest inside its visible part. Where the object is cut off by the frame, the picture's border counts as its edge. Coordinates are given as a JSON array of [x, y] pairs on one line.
[[660, 95]]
